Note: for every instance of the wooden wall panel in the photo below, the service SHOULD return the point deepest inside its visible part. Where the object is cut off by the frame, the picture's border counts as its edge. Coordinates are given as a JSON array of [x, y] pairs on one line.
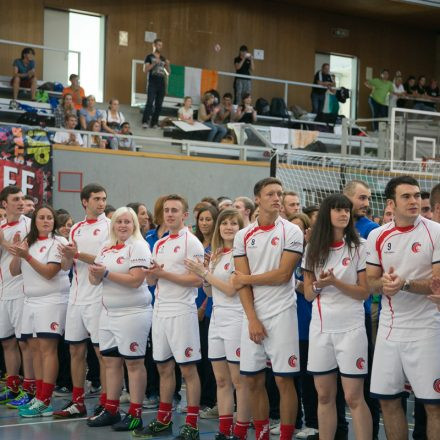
[[289, 34]]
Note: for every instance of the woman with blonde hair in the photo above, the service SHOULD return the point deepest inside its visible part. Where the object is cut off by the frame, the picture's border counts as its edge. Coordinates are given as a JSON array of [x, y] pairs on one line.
[[207, 113], [125, 318]]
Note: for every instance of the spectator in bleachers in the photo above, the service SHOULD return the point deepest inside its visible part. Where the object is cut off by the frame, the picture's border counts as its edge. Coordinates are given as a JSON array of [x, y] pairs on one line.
[[410, 85], [123, 143], [64, 108], [421, 93], [398, 92], [244, 65], [157, 67], [112, 119], [226, 113], [23, 75], [381, 88], [94, 140], [433, 91], [207, 115], [76, 91], [186, 113], [245, 112], [322, 78], [65, 138], [90, 113]]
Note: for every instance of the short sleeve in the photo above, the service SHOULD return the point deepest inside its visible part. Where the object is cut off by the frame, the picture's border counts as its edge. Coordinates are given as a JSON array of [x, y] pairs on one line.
[[239, 249], [140, 255], [79, 139], [362, 257], [32, 65], [304, 258], [372, 257], [180, 111], [148, 59], [195, 249], [294, 240], [99, 114], [54, 255]]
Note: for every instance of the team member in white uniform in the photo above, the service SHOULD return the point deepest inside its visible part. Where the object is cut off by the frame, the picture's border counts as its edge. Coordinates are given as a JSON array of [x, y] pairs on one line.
[[225, 326], [265, 255], [85, 299], [335, 280], [46, 288], [402, 257], [175, 324], [125, 318], [11, 303]]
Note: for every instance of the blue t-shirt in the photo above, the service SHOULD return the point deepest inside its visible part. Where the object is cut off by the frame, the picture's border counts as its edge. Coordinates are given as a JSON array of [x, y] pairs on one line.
[[303, 308], [98, 115], [201, 295], [23, 68]]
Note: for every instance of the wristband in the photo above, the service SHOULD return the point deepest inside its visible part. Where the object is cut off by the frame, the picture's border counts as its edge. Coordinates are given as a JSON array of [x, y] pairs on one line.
[[75, 257], [105, 274], [316, 289], [28, 258]]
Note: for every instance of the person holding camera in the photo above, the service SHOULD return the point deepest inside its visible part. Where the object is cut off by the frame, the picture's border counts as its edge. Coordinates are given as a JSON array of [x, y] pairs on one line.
[[244, 65]]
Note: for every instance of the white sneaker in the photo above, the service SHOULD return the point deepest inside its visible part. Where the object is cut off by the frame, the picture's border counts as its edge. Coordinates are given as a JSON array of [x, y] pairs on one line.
[[210, 413], [151, 402], [305, 432], [275, 429], [144, 125], [125, 397]]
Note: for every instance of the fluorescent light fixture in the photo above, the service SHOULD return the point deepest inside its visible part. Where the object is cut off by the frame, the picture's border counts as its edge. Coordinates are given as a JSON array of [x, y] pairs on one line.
[[432, 3]]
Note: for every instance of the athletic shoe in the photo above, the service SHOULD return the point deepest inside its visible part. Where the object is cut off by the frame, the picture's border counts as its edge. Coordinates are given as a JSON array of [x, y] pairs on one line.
[[151, 402], [72, 410], [98, 409], [128, 423], [104, 418], [13, 104], [37, 409], [7, 396], [155, 429], [221, 436], [144, 125], [187, 432], [210, 413], [125, 397], [275, 428], [306, 432], [27, 405], [3, 377], [180, 407], [92, 390], [61, 392], [22, 399]]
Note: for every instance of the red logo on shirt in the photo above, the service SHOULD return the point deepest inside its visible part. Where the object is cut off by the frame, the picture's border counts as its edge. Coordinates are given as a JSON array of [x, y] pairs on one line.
[[96, 231], [120, 260], [237, 352], [188, 352], [227, 265], [292, 361], [54, 326], [436, 385], [176, 249], [346, 261], [416, 247], [42, 249], [360, 363], [134, 346], [274, 241]]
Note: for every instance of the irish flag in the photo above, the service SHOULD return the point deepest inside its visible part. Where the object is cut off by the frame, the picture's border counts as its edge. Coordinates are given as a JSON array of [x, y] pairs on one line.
[[190, 81]]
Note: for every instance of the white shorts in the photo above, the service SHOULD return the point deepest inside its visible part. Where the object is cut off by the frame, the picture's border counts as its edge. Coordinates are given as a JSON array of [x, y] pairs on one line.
[[224, 342], [417, 362], [125, 335], [280, 346], [177, 337], [10, 318], [43, 320], [344, 351], [82, 323]]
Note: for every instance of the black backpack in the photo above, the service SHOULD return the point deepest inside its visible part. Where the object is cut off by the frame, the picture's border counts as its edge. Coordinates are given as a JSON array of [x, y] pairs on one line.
[[262, 107], [278, 108]]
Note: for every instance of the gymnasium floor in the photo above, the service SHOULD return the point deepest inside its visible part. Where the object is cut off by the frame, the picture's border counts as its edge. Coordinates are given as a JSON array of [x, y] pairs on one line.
[[14, 428]]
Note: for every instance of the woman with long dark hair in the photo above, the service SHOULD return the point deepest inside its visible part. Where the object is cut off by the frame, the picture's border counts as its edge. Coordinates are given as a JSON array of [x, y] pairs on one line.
[[335, 280], [143, 216], [46, 289]]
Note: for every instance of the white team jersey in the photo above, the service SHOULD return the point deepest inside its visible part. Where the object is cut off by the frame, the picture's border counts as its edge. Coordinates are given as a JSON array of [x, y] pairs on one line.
[[226, 309], [12, 287], [411, 251], [36, 287], [173, 299], [332, 310], [263, 246], [120, 259], [89, 236]]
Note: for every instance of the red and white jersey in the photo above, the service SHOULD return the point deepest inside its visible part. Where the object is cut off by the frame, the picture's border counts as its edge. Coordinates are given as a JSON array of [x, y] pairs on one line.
[[173, 299], [36, 287], [11, 287], [89, 236], [226, 309], [333, 311], [116, 298], [411, 251], [263, 246]]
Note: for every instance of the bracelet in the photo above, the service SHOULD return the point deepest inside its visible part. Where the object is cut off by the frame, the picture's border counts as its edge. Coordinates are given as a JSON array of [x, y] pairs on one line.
[[105, 274], [75, 257], [315, 288], [28, 258]]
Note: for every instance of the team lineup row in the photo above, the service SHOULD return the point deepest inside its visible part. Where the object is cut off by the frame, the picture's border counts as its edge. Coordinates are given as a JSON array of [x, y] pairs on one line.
[[254, 319]]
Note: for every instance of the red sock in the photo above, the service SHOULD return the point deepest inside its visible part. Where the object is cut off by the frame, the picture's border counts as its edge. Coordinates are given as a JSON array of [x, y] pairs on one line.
[[112, 406], [225, 426], [286, 432], [78, 395], [46, 392], [241, 429], [39, 387], [192, 416], [164, 412], [13, 383], [28, 386], [135, 410], [103, 399], [261, 429]]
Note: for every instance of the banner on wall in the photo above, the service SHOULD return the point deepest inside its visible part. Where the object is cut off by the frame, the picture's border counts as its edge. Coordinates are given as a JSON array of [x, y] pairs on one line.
[[26, 161]]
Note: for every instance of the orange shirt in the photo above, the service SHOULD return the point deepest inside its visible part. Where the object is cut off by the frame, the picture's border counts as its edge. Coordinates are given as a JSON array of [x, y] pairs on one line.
[[78, 96]]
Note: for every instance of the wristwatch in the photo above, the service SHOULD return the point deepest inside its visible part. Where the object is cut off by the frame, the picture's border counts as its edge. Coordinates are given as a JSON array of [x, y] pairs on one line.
[[406, 285]]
